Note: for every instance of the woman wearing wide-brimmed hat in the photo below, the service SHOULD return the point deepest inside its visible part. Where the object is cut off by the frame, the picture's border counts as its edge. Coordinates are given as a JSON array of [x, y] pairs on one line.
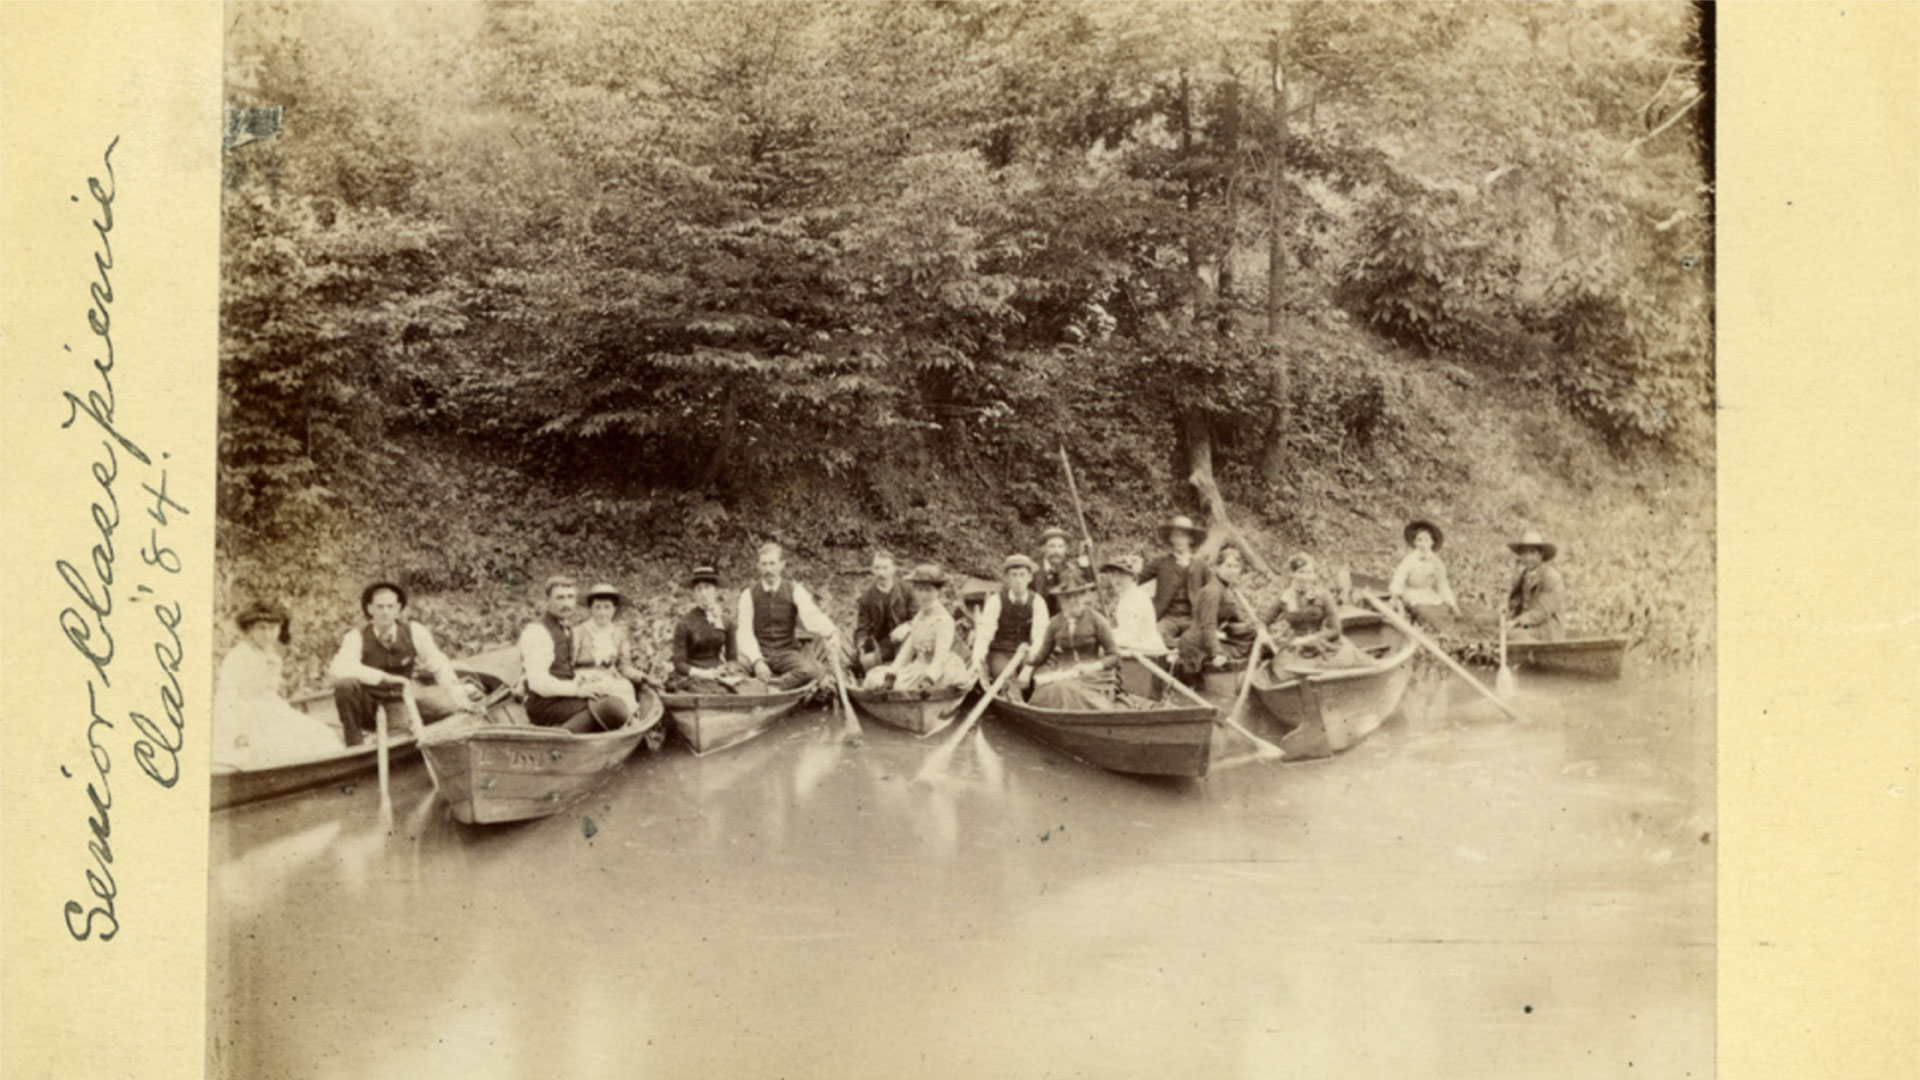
[[254, 727], [603, 655], [1534, 603], [1077, 659], [926, 660], [1420, 581], [1177, 576], [1013, 615], [703, 649]]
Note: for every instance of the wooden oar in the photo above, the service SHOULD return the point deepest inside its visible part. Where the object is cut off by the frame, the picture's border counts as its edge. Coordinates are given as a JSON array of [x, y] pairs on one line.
[[1263, 749], [380, 752], [1423, 641], [1073, 489], [852, 730], [937, 760], [1503, 681]]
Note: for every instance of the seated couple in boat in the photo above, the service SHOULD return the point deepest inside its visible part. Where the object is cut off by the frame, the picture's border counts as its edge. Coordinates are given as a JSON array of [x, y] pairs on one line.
[[1071, 656], [1303, 621], [757, 649], [580, 677], [1534, 601], [922, 655]]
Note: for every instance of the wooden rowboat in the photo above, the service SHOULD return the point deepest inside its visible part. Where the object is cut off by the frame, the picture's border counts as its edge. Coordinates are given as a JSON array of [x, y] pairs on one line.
[[1167, 741], [922, 712], [1325, 712], [239, 787], [505, 769], [712, 722], [1590, 658]]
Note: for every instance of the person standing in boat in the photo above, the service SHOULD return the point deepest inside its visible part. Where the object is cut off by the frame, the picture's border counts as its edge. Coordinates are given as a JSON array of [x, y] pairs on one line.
[[1055, 565], [703, 650], [1221, 634], [881, 615], [1538, 595], [1420, 581], [1135, 630], [1013, 616], [603, 648], [1173, 575], [772, 612], [558, 695], [926, 660], [253, 725], [375, 662], [1307, 618], [1077, 656]]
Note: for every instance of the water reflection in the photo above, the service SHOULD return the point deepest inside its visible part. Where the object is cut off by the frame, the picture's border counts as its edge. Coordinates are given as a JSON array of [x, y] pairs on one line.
[[802, 903]]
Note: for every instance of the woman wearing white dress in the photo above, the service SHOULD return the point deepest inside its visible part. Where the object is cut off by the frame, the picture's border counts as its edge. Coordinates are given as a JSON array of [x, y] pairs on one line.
[[254, 727], [1420, 581], [603, 650]]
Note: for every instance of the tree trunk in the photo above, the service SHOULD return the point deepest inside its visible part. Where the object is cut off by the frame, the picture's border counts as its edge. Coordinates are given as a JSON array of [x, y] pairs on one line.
[[716, 469], [1273, 461], [1230, 153], [1220, 526]]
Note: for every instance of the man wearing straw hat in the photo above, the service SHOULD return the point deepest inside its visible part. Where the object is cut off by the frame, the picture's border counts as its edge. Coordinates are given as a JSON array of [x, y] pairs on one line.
[[1173, 575], [376, 661], [1535, 601], [1013, 615], [1055, 566]]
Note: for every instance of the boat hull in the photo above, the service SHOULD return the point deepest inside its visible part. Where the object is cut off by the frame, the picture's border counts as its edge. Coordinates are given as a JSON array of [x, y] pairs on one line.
[[711, 722], [1328, 711], [1588, 658], [500, 772], [240, 787], [1147, 742], [920, 712]]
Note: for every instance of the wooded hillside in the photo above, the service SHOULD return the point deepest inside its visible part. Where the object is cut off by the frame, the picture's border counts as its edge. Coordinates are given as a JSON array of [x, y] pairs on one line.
[[615, 287]]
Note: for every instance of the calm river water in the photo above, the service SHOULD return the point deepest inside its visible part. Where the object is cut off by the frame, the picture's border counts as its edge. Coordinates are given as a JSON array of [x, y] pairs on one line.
[[1458, 896]]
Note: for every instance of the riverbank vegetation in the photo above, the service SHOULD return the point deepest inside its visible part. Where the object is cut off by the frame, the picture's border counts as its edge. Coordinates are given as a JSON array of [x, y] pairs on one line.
[[612, 289]]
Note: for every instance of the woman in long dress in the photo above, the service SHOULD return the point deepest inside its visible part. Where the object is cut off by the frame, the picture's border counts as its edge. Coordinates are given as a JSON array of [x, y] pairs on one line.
[[1420, 581], [703, 660], [1311, 637], [603, 649], [1077, 658], [927, 659], [254, 727]]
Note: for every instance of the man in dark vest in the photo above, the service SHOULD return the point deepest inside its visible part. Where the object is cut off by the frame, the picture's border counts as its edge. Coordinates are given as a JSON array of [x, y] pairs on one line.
[[772, 612], [555, 698], [1013, 616], [376, 661], [883, 611]]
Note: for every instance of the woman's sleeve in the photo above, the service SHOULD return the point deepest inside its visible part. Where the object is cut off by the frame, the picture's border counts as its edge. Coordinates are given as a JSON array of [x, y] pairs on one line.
[[985, 626], [681, 633], [1443, 588], [1103, 631], [943, 634], [629, 663], [1399, 583], [1046, 644], [1041, 621], [1206, 618]]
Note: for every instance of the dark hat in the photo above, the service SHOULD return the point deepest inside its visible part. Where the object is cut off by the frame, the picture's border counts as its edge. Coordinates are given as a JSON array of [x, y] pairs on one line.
[[703, 573], [1053, 531], [1074, 582], [927, 574], [259, 612], [1532, 539], [604, 591], [366, 594], [1016, 561], [1178, 523], [1301, 562], [1416, 525], [1121, 564]]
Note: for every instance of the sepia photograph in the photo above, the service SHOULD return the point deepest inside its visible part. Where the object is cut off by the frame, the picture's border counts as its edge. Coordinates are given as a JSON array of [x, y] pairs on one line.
[[961, 538]]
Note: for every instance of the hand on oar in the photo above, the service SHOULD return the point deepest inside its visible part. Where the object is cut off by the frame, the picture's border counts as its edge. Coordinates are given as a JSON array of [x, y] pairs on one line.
[[852, 729], [938, 760]]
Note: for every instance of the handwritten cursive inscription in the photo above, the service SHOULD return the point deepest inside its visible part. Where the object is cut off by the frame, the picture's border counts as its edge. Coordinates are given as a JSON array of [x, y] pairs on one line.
[[87, 622]]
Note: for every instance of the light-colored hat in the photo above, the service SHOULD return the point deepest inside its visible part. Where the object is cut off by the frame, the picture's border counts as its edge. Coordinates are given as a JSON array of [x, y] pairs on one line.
[[1416, 525], [1122, 564], [604, 591], [1179, 523], [1020, 562], [1532, 539], [1053, 531], [927, 574]]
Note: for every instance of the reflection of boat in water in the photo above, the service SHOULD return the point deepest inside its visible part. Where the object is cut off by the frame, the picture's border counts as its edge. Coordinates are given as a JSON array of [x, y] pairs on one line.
[[238, 787], [1588, 657], [1327, 710], [1159, 741], [712, 722], [504, 769], [922, 712]]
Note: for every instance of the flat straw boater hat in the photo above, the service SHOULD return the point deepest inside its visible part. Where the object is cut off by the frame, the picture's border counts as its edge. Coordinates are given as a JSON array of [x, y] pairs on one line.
[[1053, 531], [1532, 539], [703, 573], [1017, 562], [604, 591], [1121, 564], [366, 594], [928, 574], [259, 612], [1416, 525], [1179, 523]]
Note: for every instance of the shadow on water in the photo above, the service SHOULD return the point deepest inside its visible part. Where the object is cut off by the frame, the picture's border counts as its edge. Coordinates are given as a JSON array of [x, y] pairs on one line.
[[1458, 895]]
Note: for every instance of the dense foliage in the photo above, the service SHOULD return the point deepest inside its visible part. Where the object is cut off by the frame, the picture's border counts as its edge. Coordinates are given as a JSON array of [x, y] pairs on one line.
[[687, 253]]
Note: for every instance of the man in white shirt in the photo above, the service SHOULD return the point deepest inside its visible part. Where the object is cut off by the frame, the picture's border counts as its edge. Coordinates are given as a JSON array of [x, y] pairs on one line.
[[555, 697], [772, 611], [1013, 616], [1134, 627], [375, 661]]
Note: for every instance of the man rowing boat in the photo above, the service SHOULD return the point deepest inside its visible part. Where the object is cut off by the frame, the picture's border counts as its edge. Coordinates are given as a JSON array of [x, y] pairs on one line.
[[1173, 575], [1011, 617], [1538, 594], [375, 662]]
